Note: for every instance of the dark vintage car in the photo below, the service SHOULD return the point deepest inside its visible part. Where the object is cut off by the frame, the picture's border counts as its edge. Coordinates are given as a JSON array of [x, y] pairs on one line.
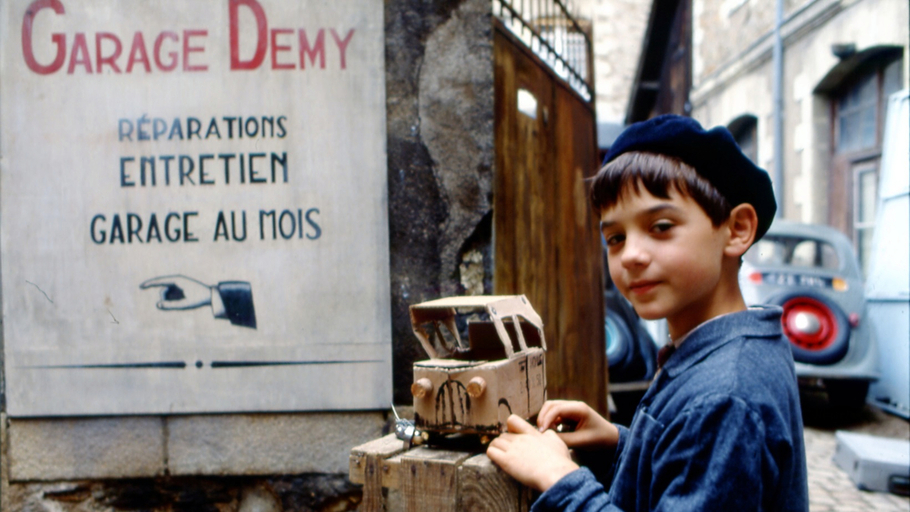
[[811, 271], [631, 354]]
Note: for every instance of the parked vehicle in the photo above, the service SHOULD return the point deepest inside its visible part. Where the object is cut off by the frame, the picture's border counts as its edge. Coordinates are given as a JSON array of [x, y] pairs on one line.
[[811, 271], [888, 284], [631, 354]]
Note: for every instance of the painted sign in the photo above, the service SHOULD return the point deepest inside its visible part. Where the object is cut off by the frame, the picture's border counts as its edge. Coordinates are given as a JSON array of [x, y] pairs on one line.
[[193, 203]]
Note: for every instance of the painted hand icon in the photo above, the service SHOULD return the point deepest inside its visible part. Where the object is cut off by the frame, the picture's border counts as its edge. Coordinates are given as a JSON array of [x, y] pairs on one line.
[[232, 300], [180, 292]]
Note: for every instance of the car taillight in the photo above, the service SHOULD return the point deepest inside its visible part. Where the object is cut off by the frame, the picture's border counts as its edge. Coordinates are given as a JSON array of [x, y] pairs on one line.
[[808, 323], [755, 277], [854, 320]]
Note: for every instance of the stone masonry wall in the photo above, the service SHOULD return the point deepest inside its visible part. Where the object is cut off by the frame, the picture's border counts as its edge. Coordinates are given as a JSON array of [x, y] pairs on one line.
[[439, 72], [722, 29], [745, 85], [619, 29]]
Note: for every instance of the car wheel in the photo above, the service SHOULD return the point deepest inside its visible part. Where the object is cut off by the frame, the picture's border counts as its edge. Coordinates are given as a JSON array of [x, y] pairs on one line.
[[846, 396], [619, 341], [818, 329]]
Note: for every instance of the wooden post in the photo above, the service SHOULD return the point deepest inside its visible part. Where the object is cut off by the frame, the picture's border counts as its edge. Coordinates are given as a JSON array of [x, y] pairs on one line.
[[547, 242], [430, 479], [367, 465], [484, 487]]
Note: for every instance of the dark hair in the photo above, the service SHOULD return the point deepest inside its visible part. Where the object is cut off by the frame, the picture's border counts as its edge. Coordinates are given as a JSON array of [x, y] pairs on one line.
[[656, 173]]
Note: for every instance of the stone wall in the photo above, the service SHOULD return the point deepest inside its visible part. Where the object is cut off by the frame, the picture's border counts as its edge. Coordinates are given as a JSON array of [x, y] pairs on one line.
[[304, 492], [205, 462], [439, 89], [439, 72], [723, 29], [619, 30]]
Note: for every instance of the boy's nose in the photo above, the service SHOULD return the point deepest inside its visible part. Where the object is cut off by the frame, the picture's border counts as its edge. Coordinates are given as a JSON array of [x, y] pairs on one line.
[[634, 255]]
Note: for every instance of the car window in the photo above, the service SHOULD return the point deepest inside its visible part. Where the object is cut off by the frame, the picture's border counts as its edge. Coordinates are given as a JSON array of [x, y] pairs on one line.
[[829, 257], [765, 252], [804, 254], [779, 250]]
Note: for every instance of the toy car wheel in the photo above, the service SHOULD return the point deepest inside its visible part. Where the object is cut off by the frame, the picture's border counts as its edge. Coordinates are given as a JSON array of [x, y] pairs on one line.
[[619, 340], [818, 329]]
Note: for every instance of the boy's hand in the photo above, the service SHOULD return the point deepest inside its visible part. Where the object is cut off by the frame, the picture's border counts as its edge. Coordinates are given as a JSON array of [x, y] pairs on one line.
[[591, 431], [533, 458]]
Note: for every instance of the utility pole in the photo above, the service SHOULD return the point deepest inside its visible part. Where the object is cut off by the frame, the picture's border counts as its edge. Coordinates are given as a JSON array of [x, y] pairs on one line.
[[778, 63]]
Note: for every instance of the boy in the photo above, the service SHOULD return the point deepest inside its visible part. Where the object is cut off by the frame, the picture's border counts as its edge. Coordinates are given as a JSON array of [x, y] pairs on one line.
[[720, 427]]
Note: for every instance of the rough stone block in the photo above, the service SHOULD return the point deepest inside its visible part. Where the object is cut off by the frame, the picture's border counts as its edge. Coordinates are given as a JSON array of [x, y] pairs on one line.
[[263, 444], [61, 449]]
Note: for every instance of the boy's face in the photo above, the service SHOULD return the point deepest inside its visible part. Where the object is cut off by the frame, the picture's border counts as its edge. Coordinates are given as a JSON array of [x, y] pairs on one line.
[[665, 256]]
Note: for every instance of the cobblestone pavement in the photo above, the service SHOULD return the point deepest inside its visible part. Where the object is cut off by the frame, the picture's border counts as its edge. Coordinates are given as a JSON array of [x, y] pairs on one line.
[[830, 489]]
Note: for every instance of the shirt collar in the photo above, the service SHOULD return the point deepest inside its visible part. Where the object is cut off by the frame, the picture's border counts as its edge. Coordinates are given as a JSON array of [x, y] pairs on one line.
[[762, 322], [677, 342]]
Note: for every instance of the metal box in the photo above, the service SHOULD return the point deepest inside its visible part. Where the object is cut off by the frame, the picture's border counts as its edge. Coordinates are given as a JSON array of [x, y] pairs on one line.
[[874, 463]]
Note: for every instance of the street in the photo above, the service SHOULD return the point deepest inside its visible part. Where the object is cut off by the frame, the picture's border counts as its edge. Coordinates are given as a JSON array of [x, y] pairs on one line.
[[830, 489]]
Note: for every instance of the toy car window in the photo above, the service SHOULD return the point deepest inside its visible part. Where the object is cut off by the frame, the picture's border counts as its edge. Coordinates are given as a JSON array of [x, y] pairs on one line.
[[443, 340], [437, 338], [474, 327]]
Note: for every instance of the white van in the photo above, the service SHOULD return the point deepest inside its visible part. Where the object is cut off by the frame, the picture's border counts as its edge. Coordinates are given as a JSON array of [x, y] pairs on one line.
[[888, 284]]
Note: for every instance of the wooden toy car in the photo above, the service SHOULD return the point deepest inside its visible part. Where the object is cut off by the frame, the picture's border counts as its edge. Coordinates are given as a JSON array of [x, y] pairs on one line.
[[473, 385]]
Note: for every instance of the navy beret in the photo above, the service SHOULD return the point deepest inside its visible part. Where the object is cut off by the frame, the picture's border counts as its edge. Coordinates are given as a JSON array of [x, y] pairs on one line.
[[713, 153]]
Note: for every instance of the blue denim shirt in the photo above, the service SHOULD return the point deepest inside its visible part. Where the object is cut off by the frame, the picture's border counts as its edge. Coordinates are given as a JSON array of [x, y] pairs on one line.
[[719, 429]]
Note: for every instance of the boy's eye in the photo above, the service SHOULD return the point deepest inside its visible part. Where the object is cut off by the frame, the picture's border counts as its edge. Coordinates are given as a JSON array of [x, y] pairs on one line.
[[661, 227], [612, 240]]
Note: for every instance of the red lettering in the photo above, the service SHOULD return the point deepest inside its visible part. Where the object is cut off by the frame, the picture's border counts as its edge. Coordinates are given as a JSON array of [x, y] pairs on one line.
[[79, 55], [173, 55], [110, 60], [342, 45], [280, 48], [57, 38], [318, 49], [187, 49], [138, 54], [168, 45], [261, 34]]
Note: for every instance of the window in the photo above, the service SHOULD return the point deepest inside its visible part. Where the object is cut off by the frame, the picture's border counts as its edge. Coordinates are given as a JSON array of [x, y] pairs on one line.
[[858, 111], [856, 119], [860, 107], [866, 188], [745, 131]]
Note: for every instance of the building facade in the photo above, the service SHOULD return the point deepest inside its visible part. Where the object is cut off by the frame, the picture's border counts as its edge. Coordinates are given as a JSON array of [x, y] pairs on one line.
[[618, 30], [840, 61]]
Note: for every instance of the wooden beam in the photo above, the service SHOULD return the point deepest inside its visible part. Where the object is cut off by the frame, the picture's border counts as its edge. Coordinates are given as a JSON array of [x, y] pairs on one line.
[[367, 466], [432, 479], [482, 487], [428, 479]]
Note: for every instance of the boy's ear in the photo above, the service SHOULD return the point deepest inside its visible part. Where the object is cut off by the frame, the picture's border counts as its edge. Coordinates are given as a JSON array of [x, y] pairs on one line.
[[742, 224]]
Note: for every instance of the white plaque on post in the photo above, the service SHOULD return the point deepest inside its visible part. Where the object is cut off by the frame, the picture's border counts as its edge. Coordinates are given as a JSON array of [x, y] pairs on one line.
[[193, 206]]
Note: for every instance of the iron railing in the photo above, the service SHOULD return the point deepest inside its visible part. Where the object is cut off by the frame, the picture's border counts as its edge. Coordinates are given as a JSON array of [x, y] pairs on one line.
[[562, 40]]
